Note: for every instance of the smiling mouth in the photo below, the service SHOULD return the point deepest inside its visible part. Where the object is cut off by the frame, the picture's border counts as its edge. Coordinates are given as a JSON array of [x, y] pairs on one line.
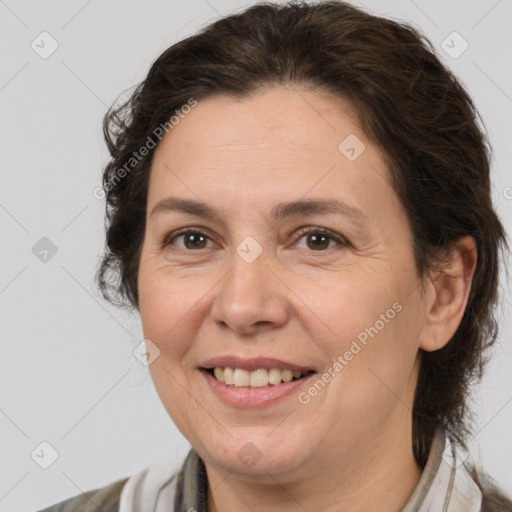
[[260, 378]]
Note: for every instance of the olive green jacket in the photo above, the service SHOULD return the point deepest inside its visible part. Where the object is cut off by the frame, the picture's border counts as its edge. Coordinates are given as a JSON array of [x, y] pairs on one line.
[[105, 499]]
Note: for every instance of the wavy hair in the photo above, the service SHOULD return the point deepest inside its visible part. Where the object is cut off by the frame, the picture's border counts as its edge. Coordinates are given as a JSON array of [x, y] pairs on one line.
[[409, 104]]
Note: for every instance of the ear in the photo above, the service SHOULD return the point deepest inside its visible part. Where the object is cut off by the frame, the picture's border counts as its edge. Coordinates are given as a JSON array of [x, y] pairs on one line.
[[449, 289]]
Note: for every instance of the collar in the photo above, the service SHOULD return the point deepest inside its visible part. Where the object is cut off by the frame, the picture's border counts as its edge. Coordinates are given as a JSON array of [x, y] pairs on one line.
[[445, 485]]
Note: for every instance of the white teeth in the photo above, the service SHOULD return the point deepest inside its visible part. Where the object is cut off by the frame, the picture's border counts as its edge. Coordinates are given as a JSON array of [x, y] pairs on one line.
[[219, 374], [240, 378], [274, 376], [228, 376], [260, 378], [287, 375]]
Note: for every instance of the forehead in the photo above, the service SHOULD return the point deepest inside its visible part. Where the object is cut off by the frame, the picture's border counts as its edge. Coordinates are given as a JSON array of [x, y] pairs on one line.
[[278, 140], [292, 120]]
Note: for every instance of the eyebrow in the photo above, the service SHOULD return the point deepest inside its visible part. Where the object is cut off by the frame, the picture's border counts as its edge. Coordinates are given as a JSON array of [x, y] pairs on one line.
[[280, 211]]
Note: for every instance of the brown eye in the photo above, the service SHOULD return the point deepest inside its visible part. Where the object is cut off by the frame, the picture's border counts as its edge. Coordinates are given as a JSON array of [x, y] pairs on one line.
[[317, 241], [320, 239], [191, 240]]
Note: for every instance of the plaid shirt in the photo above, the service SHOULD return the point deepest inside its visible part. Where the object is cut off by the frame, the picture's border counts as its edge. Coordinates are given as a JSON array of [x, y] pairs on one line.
[[444, 486]]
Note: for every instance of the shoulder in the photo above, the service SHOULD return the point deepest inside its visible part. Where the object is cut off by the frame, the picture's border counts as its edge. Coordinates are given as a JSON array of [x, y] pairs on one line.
[[493, 498], [152, 488], [105, 499]]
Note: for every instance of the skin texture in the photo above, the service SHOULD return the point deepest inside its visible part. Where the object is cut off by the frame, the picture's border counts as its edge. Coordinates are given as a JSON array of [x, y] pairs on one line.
[[351, 445]]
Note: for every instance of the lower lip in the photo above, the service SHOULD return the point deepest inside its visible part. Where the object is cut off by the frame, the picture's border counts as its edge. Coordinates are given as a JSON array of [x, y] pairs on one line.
[[252, 397]]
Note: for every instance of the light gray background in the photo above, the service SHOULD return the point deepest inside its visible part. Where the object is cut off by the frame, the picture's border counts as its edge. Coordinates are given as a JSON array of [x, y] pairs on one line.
[[68, 375]]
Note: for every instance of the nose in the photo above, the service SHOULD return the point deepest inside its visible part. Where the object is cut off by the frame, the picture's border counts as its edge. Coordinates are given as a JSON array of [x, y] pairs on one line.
[[250, 297]]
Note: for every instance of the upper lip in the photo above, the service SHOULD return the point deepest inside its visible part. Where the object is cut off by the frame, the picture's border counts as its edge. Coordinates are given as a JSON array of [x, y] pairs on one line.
[[252, 364]]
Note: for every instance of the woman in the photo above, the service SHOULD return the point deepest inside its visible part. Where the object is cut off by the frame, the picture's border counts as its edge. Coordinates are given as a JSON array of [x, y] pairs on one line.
[[298, 206]]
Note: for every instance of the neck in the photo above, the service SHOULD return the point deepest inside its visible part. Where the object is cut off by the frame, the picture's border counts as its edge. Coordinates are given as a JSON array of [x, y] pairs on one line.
[[385, 473]]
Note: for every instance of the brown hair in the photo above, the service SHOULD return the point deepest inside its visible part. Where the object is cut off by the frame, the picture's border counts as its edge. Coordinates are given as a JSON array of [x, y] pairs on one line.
[[409, 104]]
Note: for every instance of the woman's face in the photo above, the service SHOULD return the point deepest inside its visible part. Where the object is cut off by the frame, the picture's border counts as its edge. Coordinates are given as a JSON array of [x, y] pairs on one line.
[[284, 247]]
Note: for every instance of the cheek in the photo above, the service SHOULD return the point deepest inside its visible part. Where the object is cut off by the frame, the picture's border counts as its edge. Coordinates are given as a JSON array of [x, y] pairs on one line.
[[375, 357], [381, 373], [369, 323], [164, 305], [173, 309], [350, 303], [167, 314]]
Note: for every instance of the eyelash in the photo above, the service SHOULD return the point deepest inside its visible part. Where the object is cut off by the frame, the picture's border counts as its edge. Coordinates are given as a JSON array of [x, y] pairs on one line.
[[342, 242]]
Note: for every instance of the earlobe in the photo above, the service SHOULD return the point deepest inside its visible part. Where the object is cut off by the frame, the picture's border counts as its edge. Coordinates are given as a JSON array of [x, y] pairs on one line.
[[451, 285]]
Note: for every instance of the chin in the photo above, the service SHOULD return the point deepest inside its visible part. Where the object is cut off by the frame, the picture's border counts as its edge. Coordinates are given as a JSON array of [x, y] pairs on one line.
[[255, 455]]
